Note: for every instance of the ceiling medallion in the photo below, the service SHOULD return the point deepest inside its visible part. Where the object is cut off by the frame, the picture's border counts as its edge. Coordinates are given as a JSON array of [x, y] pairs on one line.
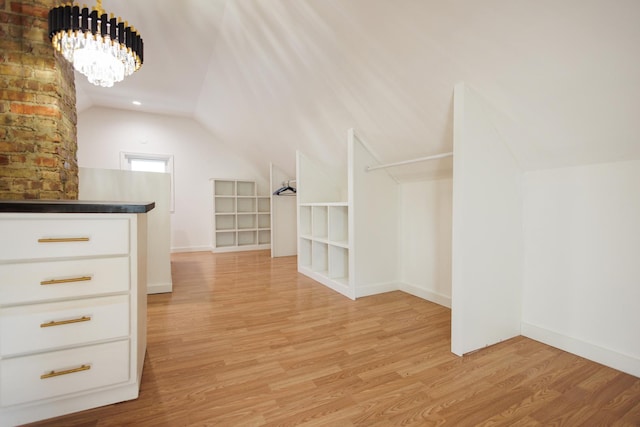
[[103, 48]]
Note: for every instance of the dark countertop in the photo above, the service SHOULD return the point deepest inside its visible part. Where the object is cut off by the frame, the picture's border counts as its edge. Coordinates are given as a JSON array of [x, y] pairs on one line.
[[74, 206]]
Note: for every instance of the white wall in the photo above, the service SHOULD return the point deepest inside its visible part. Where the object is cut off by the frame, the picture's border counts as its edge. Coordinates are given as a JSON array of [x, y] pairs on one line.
[[284, 230], [198, 156], [130, 186], [582, 261], [373, 223], [425, 239], [487, 237], [315, 184]]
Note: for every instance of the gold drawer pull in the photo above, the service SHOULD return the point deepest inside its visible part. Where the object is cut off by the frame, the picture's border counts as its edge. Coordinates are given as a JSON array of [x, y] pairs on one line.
[[70, 280], [65, 322], [63, 240], [66, 372]]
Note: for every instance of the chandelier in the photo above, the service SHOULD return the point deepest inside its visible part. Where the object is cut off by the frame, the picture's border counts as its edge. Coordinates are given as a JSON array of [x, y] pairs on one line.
[[104, 49]]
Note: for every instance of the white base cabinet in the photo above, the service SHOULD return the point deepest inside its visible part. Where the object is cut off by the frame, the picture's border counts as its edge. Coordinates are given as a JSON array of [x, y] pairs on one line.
[[72, 312]]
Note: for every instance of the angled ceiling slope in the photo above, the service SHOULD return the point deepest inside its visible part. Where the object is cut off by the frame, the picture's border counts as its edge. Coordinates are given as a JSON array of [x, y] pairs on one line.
[[269, 78]]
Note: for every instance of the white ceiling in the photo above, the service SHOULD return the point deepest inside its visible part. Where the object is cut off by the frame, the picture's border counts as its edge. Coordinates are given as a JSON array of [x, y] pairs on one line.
[[268, 77]]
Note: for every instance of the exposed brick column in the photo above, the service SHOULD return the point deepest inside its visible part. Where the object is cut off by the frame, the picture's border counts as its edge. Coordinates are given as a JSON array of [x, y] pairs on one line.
[[38, 137]]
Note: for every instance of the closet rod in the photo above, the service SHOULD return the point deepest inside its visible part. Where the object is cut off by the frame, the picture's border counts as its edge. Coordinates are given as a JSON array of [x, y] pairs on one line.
[[406, 162]]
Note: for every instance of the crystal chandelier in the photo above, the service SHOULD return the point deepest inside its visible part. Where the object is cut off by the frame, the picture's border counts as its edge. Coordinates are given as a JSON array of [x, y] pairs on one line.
[[104, 49]]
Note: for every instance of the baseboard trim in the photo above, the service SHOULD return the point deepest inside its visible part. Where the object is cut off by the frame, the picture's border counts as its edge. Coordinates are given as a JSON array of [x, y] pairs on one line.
[[191, 249], [375, 289], [226, 249], [610, 358], [335, 285], [159, 288], [426, 294]]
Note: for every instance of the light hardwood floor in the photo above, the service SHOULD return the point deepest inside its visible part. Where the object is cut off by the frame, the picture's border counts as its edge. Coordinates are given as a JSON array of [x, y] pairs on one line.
[[244, 340]]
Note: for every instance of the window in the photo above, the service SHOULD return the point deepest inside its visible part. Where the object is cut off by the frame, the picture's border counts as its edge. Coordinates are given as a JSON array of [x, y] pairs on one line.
[[145, 162]]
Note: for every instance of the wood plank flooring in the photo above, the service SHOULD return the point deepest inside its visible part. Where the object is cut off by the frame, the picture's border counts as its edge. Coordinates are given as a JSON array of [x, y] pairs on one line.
[[244, 340]]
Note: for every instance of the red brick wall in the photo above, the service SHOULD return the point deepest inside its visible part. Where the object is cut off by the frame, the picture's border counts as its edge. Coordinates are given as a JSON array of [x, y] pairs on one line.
[[38, 139]]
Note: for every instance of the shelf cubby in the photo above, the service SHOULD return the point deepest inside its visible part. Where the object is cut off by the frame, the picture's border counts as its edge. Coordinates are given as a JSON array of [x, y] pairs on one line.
[[224, 188], [319, 222], [246, 221], [338, 263], [245, 188], [225, 222], [225, 204], [319, 257], [264, 237], [246, 238], [339, 225], [304, 257], [246, 205], [225, 239], [264, 204], [264, 221], [305, 220]]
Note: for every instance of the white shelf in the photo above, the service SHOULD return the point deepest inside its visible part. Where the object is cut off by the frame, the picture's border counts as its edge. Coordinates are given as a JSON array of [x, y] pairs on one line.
[[319, 227], [264, 221], [246, 221], [242, 219], [323, 244], [338, 224], [325, 204], [305, 221], [247, 204], [224, 188], [264, 237], [245, 188], [264, 204], [338, 263], [225, 222], [225, 238], [246, 238], [304, 255], [341, 244], [225, 205]]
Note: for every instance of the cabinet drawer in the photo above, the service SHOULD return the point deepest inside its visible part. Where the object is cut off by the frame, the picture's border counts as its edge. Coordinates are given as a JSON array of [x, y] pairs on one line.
[[39, 281], [20, 378], [33, 238], [29, 328]]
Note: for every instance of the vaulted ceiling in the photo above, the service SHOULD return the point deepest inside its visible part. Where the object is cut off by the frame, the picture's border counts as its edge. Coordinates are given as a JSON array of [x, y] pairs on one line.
[[269, 77]]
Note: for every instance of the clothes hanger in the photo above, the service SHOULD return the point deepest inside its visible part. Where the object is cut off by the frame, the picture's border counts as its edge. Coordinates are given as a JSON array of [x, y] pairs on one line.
[[286, 187]]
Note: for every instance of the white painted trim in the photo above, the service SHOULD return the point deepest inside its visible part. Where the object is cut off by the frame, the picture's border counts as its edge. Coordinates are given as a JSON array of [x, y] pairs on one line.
[[332, 284], [191, 249], [159, 288], [425, 294], [374, 289], [23, 414], [242, 248], [607, 357]]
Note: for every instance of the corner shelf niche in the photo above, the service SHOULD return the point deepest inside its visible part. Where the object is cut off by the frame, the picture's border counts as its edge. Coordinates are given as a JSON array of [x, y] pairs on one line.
[[241, 218], [324, 244]]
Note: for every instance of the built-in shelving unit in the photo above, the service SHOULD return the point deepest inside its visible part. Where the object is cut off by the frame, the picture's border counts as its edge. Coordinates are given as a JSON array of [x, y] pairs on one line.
[[241, 218], [348, 224], [324, 241], [325, 250]]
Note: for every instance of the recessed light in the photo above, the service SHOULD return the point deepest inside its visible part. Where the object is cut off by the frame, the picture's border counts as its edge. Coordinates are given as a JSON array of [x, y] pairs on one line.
[[137, 103]]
